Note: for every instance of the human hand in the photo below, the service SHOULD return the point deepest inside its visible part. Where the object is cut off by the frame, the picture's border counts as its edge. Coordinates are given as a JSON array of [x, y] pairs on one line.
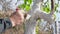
[[17, 17]]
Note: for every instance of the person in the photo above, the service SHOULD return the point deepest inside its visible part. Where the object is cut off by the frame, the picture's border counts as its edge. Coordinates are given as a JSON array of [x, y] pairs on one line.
[[16, 18]]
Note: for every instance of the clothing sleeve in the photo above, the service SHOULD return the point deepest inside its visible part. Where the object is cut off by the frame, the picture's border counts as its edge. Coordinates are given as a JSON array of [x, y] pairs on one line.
[[5, 24]]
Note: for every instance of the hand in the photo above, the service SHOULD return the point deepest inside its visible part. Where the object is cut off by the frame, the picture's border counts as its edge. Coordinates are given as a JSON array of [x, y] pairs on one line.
[[17, 18]]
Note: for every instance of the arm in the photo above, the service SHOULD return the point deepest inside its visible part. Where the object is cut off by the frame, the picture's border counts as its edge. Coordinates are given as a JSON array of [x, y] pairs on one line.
[[16, 18], [5, 24]]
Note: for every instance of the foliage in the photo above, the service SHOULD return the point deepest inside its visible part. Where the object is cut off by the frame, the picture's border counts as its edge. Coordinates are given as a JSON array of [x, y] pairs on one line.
[[27, 5], [56, 5], [37, 31], [37, 27], [46, 7]]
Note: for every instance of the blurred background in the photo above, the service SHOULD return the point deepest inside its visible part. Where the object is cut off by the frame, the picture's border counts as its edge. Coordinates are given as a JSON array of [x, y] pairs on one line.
[[7, 7]]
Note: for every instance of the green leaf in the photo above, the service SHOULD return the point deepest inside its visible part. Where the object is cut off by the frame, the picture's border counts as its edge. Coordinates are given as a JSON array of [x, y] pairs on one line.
[[25, 1], [29, 1], [47, 10], [27, 7], [56, 5], [22, 6]]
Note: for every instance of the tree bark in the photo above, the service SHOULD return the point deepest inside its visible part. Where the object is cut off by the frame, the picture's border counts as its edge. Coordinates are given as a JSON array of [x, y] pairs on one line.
[[36, 13]]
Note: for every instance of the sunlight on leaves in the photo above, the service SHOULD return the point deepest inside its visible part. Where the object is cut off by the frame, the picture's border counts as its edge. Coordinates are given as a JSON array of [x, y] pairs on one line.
[[26, 6]]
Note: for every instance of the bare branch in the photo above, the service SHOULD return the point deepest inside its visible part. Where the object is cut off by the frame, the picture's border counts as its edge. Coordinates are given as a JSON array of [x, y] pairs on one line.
[[35, 6], [52, 7]]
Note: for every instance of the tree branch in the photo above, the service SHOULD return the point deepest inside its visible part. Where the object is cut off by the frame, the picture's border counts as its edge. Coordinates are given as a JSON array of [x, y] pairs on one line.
[[35, 14], [52, 7]]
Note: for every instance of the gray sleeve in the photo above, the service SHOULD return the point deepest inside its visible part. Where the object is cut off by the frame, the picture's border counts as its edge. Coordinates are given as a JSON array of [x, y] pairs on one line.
[[5, 24], [1, 25]]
